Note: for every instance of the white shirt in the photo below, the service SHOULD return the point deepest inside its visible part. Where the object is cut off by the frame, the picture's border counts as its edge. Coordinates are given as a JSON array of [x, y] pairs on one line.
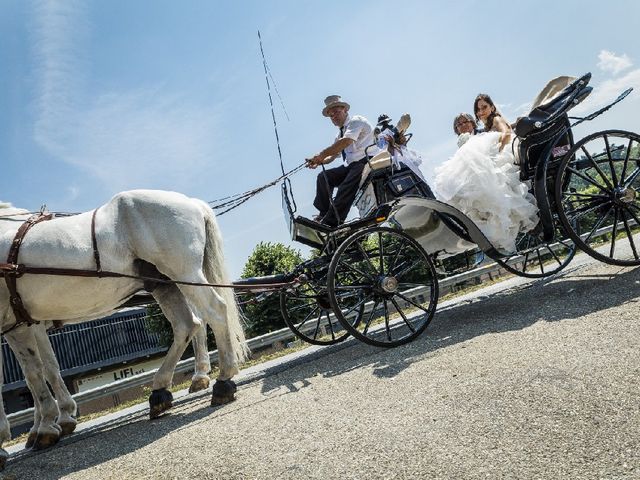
[[360, 131]]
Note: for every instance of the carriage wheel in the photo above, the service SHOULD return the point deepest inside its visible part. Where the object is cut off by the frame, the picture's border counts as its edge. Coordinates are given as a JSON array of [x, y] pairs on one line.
[[307, 311], [596, 194], [535, 258], [396, 278]]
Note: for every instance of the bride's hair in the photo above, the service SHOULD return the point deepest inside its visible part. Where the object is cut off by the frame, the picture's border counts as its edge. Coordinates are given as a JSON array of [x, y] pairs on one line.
[[492, 115]]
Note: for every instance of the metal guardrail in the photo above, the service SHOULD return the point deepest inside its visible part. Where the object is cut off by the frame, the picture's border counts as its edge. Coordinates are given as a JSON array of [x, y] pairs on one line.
[[257, 343]]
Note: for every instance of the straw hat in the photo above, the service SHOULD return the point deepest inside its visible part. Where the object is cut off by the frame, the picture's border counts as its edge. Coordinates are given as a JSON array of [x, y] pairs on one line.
[[333, 101]]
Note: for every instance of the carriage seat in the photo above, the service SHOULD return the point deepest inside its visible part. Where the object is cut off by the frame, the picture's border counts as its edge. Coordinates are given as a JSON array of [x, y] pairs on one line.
[[544, 114], [377, 162]]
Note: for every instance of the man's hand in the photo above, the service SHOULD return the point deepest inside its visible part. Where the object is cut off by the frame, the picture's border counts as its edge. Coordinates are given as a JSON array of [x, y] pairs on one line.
[[314, 161]]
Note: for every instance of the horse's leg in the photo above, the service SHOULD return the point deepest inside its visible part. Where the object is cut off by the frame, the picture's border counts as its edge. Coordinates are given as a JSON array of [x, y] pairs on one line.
[[200, 379], [25, 347], [5, 431], [208, 304], [173, 305], [66, 404]]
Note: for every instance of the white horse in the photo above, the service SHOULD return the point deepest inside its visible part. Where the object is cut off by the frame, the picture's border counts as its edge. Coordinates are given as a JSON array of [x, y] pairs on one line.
[[165, 231]]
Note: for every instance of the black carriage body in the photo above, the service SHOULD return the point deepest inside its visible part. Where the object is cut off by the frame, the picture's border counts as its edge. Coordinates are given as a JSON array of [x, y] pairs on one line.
[[549, 159], [385, 185]]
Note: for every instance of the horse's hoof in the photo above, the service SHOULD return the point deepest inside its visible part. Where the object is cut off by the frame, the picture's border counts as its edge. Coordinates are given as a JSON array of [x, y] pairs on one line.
[[68, 427], [160, 401], [31, 440], [223, 391], [198, 384], [45, 440]]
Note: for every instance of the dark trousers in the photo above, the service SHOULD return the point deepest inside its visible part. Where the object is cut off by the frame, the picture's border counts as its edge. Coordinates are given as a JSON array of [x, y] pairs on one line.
[[347, 179]]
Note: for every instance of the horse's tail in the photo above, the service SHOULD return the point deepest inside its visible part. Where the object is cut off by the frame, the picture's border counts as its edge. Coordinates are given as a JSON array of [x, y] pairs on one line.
[[216, 272]]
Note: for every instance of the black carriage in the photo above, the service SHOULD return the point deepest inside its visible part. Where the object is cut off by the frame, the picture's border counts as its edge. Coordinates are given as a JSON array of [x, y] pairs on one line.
[[376, 277]]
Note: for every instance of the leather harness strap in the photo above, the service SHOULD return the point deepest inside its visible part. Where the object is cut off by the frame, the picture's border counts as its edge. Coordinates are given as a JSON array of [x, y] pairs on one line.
[[94, 243], [10, 276]]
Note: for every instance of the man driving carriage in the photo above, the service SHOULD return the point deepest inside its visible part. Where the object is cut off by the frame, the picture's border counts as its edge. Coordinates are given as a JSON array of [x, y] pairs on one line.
[[354, 136]]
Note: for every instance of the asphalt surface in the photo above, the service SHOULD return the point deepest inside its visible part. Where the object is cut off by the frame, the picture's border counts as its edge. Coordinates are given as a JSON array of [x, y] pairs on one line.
[[524, 379]]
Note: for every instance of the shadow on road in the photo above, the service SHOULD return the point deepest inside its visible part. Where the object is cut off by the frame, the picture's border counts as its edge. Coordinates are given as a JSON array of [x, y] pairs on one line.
[[572, 295]]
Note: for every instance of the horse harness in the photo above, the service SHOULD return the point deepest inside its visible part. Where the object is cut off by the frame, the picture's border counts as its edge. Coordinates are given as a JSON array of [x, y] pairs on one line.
[[12, 270]]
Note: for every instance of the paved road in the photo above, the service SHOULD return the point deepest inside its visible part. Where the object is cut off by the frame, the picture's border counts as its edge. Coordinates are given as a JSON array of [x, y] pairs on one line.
[[521, 380]]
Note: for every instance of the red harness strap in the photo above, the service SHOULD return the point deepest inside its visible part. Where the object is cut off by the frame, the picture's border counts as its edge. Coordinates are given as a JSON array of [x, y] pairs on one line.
[[10, 276]]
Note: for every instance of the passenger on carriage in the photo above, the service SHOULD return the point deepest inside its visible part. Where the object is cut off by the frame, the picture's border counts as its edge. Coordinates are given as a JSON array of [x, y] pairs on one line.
[[464, 125], [393, 140], [482, 180], [355, 135]]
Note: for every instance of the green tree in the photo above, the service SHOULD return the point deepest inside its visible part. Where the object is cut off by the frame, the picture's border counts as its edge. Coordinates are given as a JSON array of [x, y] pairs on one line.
[[264, 315]]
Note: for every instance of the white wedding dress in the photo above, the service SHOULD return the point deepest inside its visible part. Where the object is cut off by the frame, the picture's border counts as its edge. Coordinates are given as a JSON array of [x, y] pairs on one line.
[[483, 182]]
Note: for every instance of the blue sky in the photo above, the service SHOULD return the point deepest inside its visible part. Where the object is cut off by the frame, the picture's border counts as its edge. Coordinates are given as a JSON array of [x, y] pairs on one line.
[[97, 97]]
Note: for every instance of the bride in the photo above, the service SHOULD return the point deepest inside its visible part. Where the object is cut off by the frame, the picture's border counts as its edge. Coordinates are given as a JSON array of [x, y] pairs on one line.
[[482, 180]]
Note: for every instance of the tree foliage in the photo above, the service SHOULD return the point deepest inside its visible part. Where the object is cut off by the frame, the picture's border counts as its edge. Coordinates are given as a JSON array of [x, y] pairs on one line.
[[264, 315]]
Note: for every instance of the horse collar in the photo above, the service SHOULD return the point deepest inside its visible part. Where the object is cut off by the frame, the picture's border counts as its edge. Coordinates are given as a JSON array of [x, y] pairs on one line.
[[11, 275]]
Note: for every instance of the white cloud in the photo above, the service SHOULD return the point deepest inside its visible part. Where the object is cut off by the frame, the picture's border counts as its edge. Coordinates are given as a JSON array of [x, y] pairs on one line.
[[127, 139], [610, 62]]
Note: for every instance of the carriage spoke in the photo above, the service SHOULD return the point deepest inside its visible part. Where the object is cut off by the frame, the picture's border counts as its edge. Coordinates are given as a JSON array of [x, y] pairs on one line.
[[632, 178], [354, 269], [598, 224], [405, 270], [540, 261], [351, 287], [381, 253], [333, 334], [404, 317], [553, 254], [563, 242], [588, 195], [317, 330], [614, 232], [392, 264], [357, 305], [614, 175], [371, 315], [309, 315], [630, 237], [300, 307], [386, 319], [524, 264], [626, 162], [597, 167], [588, 210], [635, 218], [417, 305], [587, 178], [366, 256]]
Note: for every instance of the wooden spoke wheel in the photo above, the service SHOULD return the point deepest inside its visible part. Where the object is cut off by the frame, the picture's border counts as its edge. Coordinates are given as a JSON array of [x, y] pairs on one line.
[[390, 273], [307, 311], [597, 196], [535, 258]]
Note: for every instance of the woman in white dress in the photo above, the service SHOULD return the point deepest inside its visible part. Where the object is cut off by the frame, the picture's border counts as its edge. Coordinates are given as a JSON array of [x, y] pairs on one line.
[[482, 180]]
